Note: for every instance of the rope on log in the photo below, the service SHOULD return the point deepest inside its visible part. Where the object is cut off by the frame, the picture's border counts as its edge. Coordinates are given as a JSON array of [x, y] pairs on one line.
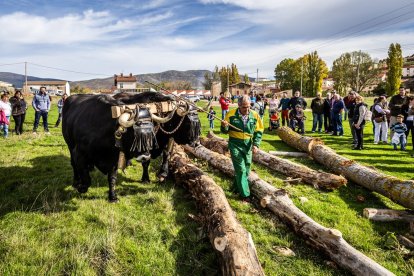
[[399, 191], [329, 241], [233, 244]]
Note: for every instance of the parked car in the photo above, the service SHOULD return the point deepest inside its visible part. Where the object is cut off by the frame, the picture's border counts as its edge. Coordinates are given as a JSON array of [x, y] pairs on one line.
[[193, 98]]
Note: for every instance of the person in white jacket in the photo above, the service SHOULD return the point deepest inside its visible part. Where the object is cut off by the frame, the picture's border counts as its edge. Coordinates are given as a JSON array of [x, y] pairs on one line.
[[5, 109]]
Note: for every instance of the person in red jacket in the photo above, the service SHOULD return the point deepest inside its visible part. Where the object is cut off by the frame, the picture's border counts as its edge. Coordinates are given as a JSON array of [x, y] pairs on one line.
[[224, 102]]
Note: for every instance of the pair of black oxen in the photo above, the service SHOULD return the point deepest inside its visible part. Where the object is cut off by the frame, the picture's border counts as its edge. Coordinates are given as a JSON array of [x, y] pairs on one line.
[[89, 130]]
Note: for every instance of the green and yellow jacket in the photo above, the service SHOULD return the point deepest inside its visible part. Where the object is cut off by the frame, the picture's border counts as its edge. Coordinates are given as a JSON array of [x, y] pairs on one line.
[[252, 132]]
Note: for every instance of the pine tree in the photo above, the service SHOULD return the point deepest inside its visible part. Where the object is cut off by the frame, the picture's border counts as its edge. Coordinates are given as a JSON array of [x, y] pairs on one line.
[[394, 63], [246, 78]]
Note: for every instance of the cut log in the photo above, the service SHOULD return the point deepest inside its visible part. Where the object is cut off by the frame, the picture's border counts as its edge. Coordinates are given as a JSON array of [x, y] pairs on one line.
[[231, 241], [388, 215], [317, 179], [329, 241], [399, 191], [288, 153]]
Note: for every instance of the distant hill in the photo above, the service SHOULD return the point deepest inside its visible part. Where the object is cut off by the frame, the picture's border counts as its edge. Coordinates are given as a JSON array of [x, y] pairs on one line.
[[18, 80], [195, 77]]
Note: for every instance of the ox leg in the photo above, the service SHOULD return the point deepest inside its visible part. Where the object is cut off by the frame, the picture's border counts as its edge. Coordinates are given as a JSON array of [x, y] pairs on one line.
[[112, 177], [82, 169], [76, 178], [145, 175], [163, 172]]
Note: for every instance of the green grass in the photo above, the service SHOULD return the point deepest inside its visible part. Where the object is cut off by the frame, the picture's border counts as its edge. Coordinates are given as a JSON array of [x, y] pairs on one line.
[[48, 228]]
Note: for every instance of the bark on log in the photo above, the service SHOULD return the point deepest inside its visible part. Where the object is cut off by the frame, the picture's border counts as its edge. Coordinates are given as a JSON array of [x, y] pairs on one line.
[[317, 179], [399, 191], [329, 241], [233, 244], [388, 215], [288, 153]]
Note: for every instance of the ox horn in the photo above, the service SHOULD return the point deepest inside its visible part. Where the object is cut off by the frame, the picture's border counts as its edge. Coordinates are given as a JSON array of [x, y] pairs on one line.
[[182, 111], [163, 120], [126, 120]]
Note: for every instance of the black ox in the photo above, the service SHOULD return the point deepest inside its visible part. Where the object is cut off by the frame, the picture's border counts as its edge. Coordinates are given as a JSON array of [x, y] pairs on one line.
[[89, 130]]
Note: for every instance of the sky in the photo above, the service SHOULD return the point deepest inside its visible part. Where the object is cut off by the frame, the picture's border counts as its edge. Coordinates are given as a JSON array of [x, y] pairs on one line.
[[79, 40]]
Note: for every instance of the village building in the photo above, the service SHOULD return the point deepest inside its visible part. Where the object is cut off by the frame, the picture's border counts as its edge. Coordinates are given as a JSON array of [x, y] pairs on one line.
[[408, 71], [240, 88], [125, 83], [56, 87]]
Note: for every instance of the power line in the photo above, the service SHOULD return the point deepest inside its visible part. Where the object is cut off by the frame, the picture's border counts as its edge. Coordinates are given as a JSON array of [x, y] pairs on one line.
[[6, 64], [70, 71], [365, 29]]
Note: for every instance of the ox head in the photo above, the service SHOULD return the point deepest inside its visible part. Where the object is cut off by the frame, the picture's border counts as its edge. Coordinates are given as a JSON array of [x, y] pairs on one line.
[[141, 121], [185, 124]]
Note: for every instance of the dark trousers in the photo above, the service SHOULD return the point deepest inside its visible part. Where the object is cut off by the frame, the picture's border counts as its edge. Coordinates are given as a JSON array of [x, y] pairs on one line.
[[297, 124], [317, 121], [19, 121], [42, 114], [58, 120], [327, 122], [360, 137], [352, 127], [410, 127], [337, 124]]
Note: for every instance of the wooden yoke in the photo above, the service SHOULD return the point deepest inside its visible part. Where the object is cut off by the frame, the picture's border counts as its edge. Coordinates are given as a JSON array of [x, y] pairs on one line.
[[166, 107]]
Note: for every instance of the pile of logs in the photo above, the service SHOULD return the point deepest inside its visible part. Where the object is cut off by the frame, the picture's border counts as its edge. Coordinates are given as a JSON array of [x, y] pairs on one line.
[[327, 240], [399, 191], [315, 178]]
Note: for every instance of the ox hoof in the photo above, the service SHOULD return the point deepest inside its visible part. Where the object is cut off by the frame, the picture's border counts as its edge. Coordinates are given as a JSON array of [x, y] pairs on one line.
[[82, 189], [113, 200], [145, 181]]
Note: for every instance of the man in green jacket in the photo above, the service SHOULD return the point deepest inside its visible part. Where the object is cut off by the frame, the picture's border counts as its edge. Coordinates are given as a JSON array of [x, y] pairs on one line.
[[243, 142]]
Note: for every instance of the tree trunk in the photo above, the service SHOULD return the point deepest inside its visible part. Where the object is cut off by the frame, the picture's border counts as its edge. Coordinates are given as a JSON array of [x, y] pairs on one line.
[[388, 215], [232, 242], [329, 241], [288, 153], [399, 191], [317, 179]]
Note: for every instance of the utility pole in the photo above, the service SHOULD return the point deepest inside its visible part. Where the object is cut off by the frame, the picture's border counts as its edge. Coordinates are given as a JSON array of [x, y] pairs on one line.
[[228, 80], [301, 78], [25, 77], [357, 76], [257, 75]]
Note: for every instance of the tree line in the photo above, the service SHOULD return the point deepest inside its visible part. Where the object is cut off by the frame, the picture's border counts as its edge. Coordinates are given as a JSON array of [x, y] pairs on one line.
[[352, 70]]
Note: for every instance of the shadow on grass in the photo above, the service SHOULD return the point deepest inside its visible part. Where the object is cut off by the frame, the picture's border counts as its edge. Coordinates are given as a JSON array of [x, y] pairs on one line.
[[46, 186], [350, 195], [42, 187]]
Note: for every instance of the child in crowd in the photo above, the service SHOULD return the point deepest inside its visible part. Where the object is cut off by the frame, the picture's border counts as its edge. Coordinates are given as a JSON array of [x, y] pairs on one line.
[[297, 118], [399, 129], [274, 120], [210, 117]]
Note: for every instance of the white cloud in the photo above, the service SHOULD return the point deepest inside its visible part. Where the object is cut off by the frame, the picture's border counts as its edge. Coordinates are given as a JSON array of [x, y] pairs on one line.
[[272, 4], [90, 26]]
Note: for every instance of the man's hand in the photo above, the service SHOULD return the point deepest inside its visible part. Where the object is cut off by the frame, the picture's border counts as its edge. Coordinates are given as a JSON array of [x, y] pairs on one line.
[[224, 123], [356, 126], [255, 149]]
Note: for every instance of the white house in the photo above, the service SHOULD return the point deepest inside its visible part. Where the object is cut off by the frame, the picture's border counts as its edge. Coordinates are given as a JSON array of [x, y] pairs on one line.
[[408, 71], [58, 87], [125, 83]]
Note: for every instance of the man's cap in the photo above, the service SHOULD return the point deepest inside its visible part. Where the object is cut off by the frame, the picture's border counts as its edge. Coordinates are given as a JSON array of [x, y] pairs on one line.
[[400, 116]]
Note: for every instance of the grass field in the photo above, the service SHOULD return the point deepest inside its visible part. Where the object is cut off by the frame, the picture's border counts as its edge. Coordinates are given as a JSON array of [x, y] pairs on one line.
[[48, 228]]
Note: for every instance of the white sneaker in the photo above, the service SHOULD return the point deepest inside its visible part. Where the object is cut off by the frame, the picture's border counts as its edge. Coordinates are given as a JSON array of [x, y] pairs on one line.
[[375, 143], [47, 133]]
